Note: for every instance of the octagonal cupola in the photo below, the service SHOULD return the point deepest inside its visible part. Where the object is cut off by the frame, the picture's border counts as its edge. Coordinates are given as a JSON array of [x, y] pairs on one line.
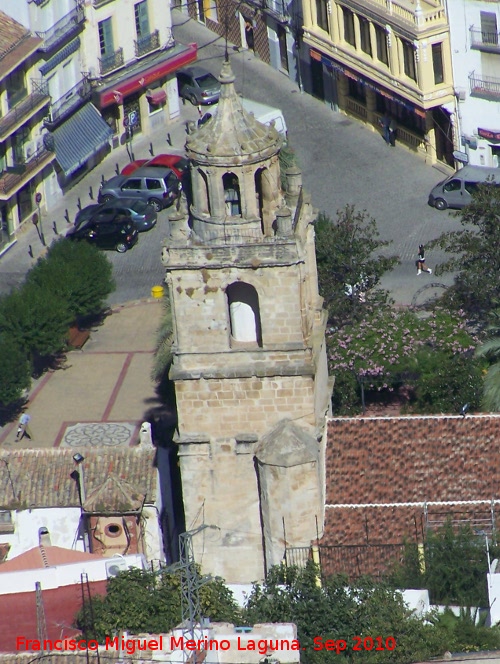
[[235, 170]]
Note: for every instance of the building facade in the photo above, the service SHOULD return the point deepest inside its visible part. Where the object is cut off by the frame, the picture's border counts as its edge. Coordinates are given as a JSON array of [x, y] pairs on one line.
[[475, 42], [249, 359], [373, 59], [25, 160]]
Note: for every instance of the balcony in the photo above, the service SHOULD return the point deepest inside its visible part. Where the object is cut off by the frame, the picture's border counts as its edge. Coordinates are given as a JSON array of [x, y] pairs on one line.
[[488, 42], [64, 28], [277, 8], [486, 87], [25, 109], [427, 14], [111, 62], [147, 44], [15, 177], [68, 103]]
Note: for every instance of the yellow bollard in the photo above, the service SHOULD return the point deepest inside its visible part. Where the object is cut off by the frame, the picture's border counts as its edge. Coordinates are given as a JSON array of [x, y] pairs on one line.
[[157, 291]]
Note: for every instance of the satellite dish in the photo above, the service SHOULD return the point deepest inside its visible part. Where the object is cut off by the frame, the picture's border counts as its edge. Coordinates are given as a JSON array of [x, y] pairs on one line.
[[461, 157]]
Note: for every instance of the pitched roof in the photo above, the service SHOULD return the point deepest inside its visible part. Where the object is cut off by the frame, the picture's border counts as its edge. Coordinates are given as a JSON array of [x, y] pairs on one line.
[[16, 44], [382, 475], [114, 495], [46, 556], [42, 477]]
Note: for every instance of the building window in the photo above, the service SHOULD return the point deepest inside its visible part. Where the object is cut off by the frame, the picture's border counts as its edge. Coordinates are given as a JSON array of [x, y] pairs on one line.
[[244, 313], [364, 29], [6, 524], [322, 15], [409, 59], [16, 88], [357, 91], [489, 29], [349, 35], [437, 63], [105, 29], [141, 18], [381, 38]]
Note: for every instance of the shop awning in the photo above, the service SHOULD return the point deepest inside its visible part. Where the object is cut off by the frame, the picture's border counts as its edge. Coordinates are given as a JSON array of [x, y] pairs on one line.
[[157, 96], [81, 136], [141, 75]]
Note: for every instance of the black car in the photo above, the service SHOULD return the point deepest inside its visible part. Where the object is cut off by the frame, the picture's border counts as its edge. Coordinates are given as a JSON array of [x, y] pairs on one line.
[[142, 214], [118, 233]]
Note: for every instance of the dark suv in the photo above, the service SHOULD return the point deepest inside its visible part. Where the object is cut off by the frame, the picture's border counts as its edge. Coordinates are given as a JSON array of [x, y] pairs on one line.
[[117, 233], [158, 187]]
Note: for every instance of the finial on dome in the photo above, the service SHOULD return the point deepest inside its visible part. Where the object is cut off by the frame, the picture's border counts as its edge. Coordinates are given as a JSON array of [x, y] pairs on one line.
[[226, 73]]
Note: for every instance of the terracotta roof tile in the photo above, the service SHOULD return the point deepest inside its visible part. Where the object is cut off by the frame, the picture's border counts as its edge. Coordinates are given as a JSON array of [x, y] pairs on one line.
[[16, 44], [54, 555], [41, 477]]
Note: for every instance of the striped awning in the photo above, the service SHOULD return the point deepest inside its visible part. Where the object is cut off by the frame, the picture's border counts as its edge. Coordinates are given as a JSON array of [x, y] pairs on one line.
[[60, 56], [80, 137]]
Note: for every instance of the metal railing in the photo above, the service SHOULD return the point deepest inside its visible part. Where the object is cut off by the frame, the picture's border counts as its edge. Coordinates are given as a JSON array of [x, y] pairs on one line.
[[73, 98], [15, 175], [62, 29], [25, 107], [484, 86], [111, 62], [356, 561], [484, 41], [147, 43]]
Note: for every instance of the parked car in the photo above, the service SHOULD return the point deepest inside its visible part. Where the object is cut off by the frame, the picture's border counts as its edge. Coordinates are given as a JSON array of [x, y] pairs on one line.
[[158, 187], [198, 85], [176, 162], [118, 233], [142, 214]]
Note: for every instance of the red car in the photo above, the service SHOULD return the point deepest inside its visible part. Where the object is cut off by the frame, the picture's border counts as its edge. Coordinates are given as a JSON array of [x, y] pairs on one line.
[[176, 162]]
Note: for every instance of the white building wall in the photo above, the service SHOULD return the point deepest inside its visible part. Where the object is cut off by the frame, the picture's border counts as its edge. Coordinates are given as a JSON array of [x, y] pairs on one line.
[[474, 112], [62, 524]]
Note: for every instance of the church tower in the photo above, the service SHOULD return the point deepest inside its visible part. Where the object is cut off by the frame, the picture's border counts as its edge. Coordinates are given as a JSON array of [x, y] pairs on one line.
[[249, 359]]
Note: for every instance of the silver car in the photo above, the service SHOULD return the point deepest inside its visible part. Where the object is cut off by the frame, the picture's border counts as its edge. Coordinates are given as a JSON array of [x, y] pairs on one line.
[[158, 187], [198, 85]]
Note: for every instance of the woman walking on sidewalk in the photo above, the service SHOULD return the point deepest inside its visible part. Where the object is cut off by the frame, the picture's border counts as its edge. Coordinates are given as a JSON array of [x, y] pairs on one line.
[[421, 261]]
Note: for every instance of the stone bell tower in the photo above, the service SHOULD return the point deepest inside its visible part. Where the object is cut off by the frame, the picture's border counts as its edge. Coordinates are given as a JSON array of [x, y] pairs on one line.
[[249, 359]]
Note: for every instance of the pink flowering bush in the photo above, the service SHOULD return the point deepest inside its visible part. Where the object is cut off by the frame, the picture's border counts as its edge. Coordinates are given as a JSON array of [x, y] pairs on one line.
[[391, 348]]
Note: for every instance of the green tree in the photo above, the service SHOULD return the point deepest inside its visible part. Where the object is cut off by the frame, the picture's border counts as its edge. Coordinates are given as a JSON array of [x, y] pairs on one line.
[[490, 351], [149, 602], [336, 611], [349, 269], [36, 319], [15, 371], [475, 256], [77, 273]]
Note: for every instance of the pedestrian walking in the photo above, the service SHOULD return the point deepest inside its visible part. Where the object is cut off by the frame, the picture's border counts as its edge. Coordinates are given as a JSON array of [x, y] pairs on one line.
[[23, 428], [385, 121], [393, 132], [421, 267]]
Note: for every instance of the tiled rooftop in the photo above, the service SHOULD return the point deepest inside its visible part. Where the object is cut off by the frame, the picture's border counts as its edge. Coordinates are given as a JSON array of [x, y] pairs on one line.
[[16, 44], [392, 461], [42, 477], [49, 556]]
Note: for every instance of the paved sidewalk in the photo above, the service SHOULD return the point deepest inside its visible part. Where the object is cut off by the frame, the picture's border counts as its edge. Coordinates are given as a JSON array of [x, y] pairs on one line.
[[104, 392]]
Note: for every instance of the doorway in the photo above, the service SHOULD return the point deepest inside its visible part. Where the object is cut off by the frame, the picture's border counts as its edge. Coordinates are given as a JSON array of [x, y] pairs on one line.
[[444, 135], [318, 89], [281, 32]]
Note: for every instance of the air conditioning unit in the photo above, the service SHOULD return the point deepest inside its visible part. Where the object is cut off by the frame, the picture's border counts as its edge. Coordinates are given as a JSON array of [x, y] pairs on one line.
[[115, 566], [29, 149]]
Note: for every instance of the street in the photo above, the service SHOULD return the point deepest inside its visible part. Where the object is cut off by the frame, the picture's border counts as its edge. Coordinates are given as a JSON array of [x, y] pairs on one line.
[[342, 163]]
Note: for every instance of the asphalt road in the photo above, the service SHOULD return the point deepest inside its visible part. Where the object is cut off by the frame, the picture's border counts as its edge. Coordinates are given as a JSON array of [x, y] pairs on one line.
[[342, 163]]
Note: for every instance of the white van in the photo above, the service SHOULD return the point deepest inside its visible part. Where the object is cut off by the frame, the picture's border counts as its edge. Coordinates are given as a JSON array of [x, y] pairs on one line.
[[456, 191], [261, 112]]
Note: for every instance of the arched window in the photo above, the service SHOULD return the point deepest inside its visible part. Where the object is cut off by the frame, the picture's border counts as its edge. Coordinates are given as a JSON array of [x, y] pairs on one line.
[[204, 193], [244, 313], [232, 196]]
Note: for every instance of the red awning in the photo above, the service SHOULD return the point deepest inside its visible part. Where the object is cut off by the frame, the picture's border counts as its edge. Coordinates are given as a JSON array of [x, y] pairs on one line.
[[142, 80], [157, 96]]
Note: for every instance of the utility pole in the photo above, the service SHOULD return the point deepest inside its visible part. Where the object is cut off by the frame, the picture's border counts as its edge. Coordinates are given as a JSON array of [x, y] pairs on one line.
[[41, 625]]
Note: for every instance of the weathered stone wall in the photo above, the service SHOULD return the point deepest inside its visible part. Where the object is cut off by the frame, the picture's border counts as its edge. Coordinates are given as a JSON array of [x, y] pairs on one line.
[[230, 406]]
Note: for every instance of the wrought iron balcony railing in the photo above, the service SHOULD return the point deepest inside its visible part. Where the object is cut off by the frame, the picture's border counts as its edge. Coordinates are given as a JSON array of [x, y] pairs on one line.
[[13, 177], [488, 42], [28, 106], [64, 28], [111, 62], [69, 102], [147, 43], [487, 87]]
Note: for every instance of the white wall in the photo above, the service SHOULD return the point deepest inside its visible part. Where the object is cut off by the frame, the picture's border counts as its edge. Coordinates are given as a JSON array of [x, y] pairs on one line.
[[63, 575], [473, 112]]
